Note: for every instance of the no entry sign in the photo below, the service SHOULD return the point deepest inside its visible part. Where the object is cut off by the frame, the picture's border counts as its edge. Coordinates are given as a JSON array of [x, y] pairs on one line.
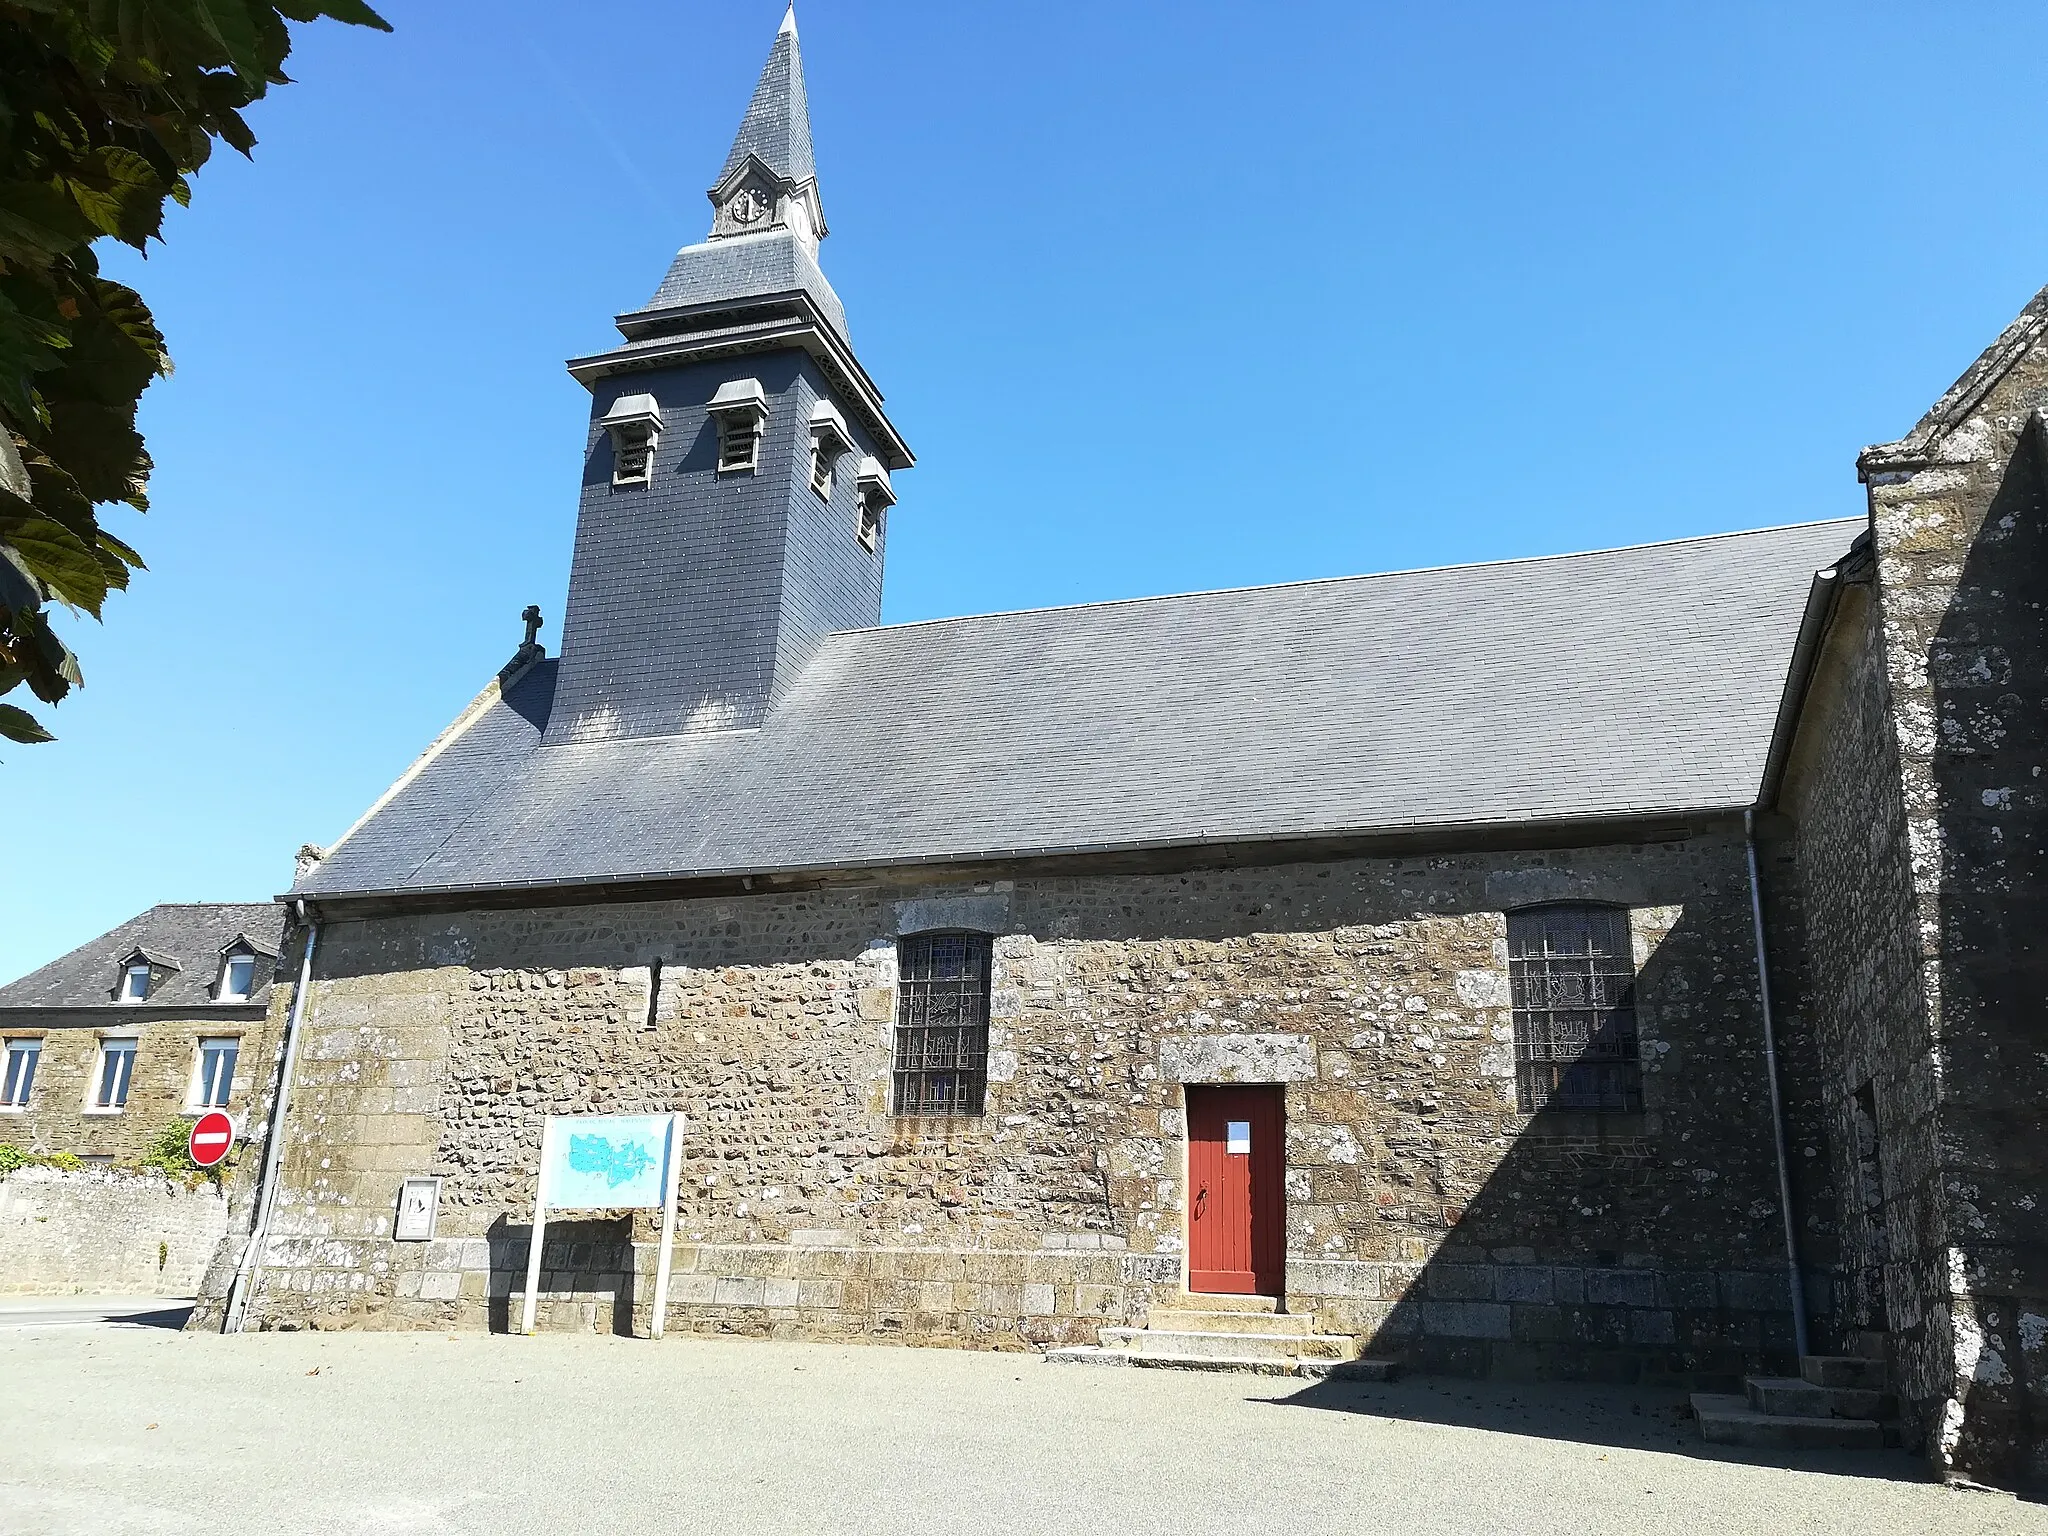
[[212, 1134]]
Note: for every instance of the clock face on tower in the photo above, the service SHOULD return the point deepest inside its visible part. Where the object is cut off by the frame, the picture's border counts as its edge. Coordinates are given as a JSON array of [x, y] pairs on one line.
[[747, 205]]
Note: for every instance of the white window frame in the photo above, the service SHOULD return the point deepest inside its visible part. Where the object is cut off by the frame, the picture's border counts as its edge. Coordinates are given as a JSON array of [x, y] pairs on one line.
[[109, 1046], [18, 1092], [129, 972], [197, 1098], [225, 993]]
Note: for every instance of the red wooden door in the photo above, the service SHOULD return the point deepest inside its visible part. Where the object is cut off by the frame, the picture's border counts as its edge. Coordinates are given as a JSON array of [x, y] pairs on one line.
[[1237, 1213]]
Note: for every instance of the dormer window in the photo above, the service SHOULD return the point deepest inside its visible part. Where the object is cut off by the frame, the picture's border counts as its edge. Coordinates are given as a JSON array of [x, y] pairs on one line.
[[135, 982], [237, 977], [634, 422], [830, 442], [740, 409], [876, 498]]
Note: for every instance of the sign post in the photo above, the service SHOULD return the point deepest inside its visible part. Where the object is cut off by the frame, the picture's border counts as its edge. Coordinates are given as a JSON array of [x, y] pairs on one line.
[[607, 1163], [211, 1138]]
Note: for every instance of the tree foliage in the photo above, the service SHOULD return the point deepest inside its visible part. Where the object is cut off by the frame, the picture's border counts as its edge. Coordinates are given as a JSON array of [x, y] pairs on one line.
[[106, 107]]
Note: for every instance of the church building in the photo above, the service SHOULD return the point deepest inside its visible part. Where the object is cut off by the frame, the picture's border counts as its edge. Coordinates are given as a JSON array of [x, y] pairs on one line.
[[1622, 965]]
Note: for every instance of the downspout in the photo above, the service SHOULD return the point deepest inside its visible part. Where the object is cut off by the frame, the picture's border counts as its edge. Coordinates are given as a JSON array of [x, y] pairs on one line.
[[251, 1267], [1763, 986]]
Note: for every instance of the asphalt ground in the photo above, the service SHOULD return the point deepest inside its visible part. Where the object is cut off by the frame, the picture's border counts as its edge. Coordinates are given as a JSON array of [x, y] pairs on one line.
[[123, 1428], [19, 1312]]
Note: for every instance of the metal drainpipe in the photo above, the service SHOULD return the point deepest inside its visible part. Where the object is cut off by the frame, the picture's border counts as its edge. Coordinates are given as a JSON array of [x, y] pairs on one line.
[[273, 1148], [1763, 984]]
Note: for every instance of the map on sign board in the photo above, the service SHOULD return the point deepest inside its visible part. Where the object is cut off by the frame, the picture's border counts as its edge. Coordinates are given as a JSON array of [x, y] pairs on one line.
[[604, 1162]]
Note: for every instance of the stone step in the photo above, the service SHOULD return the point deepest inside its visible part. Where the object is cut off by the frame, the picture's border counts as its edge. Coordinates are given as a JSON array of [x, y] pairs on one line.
[[1206, 1301], [1233, 1346], [1798, 1398], [1868, 1343], [1330, 1370], [1843, 1371], [1726, 1419], [1269, 1324]]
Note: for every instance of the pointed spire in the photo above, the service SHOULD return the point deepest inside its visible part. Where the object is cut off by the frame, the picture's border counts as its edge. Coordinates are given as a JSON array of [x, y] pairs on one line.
[[777, 128]]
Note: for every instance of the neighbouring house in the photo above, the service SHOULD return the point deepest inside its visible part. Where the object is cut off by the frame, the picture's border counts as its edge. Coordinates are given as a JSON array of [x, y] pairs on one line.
[[127, 1037], [157, 1021], [1623, 964]]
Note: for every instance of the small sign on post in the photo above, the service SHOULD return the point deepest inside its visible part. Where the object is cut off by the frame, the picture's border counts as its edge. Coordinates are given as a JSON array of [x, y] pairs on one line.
[[211, 1138], [607, 1163]]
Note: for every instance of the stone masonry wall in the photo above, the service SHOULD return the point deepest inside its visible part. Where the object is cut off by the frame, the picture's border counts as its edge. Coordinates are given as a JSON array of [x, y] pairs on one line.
[[1424, 1212], [1879, 1092], [99, 1230], [57, 1118], [1962, 549]]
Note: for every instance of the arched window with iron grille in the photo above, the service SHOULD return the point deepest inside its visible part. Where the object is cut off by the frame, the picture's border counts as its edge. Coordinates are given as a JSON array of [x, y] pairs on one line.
[[942, 987], [1573, 975]]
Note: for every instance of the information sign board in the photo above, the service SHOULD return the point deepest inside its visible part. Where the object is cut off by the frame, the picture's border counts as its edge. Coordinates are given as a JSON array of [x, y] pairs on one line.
[[607, 1163]]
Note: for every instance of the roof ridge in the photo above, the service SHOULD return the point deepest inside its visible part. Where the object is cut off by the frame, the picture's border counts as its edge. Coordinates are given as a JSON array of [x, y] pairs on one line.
[[1331, 581]]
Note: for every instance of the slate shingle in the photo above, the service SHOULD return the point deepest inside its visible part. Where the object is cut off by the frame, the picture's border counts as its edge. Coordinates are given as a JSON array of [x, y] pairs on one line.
[[190, 935], [1618, 682]]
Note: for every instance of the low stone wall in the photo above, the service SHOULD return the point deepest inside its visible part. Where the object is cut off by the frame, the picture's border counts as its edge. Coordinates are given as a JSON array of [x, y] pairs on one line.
[[106, 1232]]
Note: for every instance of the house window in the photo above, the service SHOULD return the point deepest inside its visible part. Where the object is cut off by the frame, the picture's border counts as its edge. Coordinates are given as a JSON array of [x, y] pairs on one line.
[[237, 978], [135, 982], [116, 1067], [740, 408], [22, 1056], [215, 1077], [1574, 992], [942, 988]]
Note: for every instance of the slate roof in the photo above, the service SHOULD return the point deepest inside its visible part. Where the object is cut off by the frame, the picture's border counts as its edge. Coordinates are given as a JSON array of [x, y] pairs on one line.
[[1619, 682], [777, 127], [731, 268], [189, 935]]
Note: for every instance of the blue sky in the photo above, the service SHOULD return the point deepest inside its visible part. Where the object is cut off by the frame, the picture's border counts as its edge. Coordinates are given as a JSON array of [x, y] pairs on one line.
[[1164, 295]]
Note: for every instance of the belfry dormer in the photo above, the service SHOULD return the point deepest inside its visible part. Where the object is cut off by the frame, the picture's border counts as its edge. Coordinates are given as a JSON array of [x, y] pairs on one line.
[[729, 517]]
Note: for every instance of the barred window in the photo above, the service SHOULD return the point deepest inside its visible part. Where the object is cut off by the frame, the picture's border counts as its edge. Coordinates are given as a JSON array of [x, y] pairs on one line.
[[942, 982], [1574, 981]]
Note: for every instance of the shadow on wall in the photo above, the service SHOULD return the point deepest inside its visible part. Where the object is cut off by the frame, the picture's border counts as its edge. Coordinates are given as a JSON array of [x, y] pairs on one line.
[[1987, 664], [1638, 1246], [586, 1275]]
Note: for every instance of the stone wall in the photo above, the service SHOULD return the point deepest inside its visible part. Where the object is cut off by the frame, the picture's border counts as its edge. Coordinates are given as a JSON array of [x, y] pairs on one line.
[[1424, 1212], [106, 1232], [1961, 526], [57, 1118], [1879, 1097]]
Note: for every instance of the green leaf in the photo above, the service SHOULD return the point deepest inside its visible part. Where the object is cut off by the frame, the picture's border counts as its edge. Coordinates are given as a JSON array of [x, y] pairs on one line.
[[99, 447], [121, 192], [61, 560], [350, 11], [19, 725], [18, 590], [117, 547]]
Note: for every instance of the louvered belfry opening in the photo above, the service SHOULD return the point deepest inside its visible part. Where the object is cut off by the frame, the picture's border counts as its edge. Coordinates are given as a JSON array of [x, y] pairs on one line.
[[942, 985], [1574, 979]]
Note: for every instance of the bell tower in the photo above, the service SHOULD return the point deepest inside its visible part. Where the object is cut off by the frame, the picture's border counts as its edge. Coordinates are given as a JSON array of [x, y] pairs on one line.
[[736, 478]]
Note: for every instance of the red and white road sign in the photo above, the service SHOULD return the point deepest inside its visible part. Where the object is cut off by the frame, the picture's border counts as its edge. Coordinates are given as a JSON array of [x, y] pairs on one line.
[[212, 1134]]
